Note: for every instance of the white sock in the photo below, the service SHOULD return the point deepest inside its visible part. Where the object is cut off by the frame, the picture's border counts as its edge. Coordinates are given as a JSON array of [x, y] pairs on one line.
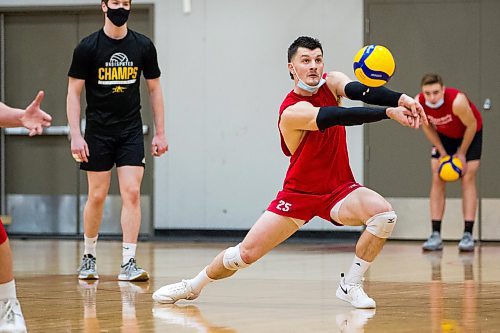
[[8, 290], [90, 245], [128, 252], [200, 281], [357, 270]]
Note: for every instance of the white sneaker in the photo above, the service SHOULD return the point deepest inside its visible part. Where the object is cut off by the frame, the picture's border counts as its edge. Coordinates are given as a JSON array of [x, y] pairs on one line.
[[466, 243], [355, 320], [434, 243], [11, 317], [87, 270], [354, 294], [130, 272], [171, 293]]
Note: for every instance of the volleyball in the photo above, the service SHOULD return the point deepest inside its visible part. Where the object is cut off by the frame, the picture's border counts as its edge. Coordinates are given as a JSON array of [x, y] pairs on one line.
[[374, 65], [450, 169]]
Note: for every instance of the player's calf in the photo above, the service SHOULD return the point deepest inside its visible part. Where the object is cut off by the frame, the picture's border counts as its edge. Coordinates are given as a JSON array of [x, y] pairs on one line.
[[190, 289]]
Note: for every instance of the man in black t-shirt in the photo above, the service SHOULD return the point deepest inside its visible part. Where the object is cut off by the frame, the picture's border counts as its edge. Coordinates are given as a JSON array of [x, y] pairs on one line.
[[109, 64]]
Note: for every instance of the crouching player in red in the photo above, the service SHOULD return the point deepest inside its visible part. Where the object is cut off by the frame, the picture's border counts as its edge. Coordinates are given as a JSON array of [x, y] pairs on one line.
[[319, 181]]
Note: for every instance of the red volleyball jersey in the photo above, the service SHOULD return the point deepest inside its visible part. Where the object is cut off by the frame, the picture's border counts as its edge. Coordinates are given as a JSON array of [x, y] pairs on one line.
[[321, 162], [3, 233], [443, 118]]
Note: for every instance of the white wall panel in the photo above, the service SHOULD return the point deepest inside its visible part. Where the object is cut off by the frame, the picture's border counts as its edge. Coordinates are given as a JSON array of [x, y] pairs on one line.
[[224, 77], [414, 219]]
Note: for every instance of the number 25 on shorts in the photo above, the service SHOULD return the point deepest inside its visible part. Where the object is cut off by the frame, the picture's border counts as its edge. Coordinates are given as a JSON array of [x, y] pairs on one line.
[[283, 206]]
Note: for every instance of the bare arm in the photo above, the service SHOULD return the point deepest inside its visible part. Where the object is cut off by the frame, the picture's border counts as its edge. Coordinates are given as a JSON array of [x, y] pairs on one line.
[[159, 144], [433, 137], [463, 111], [10, 117], [32, 118], [75, 87], [336, 82], [79, 148], [299, 117]]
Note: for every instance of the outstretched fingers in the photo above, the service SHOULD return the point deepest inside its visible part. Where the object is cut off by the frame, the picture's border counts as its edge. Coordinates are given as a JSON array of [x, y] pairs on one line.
[[39, 98], [422, 115]]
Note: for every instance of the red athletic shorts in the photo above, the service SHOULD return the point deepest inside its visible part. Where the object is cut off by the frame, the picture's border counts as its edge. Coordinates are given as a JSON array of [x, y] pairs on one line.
[[305, 206], [3, 233]]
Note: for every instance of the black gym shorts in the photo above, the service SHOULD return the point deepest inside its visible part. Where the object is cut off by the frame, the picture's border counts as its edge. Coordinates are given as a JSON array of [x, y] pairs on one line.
[[125, 147], [451, 145]]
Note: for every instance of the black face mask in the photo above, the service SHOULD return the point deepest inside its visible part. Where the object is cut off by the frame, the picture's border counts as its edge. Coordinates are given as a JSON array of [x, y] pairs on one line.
[[118, 16]]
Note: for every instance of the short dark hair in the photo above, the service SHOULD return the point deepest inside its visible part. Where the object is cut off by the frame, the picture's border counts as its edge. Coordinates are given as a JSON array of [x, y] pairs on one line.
[[431, 78], [106, 1], [303, 41]]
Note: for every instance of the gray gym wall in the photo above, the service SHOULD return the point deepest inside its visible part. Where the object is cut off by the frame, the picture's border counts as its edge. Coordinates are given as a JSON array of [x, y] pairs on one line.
[[224, 77]]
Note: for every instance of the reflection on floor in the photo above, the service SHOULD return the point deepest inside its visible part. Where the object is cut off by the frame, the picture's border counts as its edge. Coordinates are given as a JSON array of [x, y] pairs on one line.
[[290, 290]]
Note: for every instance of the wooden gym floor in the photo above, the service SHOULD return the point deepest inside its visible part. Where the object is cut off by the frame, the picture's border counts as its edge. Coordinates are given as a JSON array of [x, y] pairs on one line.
[[292, 289]]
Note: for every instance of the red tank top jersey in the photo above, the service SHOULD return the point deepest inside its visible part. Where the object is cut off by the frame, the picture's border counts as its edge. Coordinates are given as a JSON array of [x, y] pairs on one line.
[[443, 118], [321, 162], [3, 233]]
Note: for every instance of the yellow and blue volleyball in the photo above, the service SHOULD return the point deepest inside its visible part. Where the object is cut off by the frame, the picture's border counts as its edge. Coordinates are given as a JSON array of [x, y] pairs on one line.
[[374, 65], [450, 168]]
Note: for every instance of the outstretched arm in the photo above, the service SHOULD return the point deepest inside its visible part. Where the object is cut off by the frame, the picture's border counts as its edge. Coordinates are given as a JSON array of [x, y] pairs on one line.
[[305, 116], [32, 118], [342, 85]]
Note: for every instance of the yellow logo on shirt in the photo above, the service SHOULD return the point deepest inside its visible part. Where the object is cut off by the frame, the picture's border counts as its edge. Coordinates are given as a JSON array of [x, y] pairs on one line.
[[119, 89], [118, 71]]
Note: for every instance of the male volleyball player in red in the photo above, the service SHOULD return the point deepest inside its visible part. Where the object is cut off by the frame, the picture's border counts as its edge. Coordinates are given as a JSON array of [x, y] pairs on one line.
[[456, 129], [319, 181], [33, 119]]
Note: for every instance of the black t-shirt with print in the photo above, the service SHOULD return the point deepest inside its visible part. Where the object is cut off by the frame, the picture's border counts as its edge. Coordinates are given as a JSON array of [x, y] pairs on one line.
[[112, 69]]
